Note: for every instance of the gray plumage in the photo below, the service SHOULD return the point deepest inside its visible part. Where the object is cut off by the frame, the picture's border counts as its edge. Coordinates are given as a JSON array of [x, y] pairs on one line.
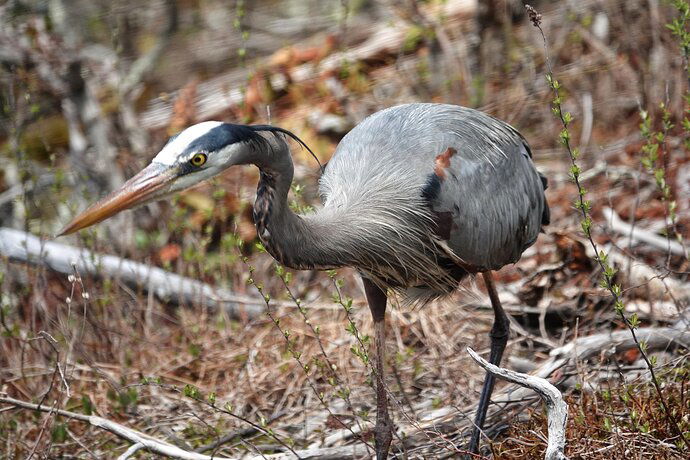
[[418, 195]]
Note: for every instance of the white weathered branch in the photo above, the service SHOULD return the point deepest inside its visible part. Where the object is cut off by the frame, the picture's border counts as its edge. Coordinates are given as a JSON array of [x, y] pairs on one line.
[[140, 440], [354, 451], [638, 234], [556, 408], [170, 287], [143, 441], [447, 419], [619, 341], [134, 448]]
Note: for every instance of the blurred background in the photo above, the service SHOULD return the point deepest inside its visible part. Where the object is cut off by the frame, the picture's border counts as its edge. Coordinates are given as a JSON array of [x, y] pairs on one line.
[[90, 92]]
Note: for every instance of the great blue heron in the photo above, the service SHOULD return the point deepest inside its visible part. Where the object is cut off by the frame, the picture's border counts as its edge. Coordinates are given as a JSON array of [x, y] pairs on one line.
[[416, 197]]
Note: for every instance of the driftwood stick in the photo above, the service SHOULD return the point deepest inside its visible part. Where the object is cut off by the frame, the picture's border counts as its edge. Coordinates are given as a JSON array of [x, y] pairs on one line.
[[143, 441], [640, 235], [354, 451], [448, 419], [134, 448], [556, 408], [618, 341], [170, 287], [140, 440]]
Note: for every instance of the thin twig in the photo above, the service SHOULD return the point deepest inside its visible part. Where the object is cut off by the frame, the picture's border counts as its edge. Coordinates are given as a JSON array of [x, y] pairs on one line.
[[121, 431], [344, 391], [584, 206]]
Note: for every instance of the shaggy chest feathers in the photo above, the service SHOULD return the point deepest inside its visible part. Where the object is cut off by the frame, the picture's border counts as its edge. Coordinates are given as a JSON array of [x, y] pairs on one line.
[[349, 236]]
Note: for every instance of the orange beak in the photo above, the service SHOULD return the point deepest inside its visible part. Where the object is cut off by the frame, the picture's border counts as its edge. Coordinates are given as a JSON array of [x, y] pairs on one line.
[[149, 184]]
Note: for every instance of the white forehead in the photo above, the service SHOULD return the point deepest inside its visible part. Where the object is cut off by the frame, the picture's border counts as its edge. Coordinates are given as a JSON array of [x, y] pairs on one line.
[[170, 153]]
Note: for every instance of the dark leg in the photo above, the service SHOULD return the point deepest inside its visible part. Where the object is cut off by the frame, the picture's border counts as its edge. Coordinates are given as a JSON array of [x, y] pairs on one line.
[[376, 297], [499, 339]]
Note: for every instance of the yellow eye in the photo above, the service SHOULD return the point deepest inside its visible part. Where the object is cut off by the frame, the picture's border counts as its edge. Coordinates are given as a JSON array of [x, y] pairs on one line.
[[198, 159]]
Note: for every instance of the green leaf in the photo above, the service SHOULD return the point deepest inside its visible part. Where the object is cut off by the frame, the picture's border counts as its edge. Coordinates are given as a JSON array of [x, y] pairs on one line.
[[191, 391], [634, 321], [619, 307], [586, 225], [608, 426], [59, 433]]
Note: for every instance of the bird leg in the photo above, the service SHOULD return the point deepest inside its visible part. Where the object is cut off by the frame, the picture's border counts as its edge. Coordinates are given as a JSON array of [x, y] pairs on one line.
[[499, 338], [383, 434]]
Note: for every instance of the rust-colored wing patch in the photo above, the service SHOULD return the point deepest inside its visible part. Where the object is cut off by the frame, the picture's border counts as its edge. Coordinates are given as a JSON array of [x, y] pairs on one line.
[[443, 161]]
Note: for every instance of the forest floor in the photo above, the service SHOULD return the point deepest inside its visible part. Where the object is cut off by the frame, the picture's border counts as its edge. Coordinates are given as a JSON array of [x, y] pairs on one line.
[[237, 382]]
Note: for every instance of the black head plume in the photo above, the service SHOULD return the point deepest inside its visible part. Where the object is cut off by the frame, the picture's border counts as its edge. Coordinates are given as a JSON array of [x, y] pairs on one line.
[[275, 129]]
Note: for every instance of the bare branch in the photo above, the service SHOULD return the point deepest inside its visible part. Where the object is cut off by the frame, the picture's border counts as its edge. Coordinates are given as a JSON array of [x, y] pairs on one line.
[[447, 419], [330, 453], [618, 225], [214, 96], [556, 408], [121, 431], [24, 247], [143, 441], [655, 338], [134, 448]]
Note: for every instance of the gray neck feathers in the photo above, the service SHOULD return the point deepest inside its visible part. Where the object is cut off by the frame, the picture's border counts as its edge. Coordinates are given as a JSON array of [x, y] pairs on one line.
[[357, 229], [301, 242]]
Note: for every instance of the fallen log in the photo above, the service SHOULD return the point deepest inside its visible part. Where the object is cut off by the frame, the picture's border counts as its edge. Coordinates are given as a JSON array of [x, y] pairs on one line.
[[640, 235], [168, 287]]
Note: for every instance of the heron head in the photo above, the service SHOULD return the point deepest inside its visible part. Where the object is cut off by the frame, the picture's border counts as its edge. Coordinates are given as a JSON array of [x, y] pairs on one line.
[[194, 155]]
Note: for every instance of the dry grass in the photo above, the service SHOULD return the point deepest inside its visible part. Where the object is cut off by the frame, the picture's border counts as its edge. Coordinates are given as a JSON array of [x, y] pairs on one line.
[[622, 420], [129, 357]]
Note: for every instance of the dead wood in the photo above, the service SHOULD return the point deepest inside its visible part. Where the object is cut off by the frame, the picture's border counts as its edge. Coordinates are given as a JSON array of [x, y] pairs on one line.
[[144, 441], [449, 420], [218, 94], [640, 235], [139, 440], [169, 287], [556, 408]]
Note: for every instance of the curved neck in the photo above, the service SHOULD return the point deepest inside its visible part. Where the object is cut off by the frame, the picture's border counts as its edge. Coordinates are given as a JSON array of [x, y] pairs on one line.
[[397, 248], [300, 242]]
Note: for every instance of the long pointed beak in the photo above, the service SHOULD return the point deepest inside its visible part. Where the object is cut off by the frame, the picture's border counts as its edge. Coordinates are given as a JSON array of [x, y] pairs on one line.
[[143, 187]]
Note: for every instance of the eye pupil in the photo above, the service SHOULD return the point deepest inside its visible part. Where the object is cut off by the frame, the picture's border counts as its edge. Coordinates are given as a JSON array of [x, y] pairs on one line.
[[199, 159]]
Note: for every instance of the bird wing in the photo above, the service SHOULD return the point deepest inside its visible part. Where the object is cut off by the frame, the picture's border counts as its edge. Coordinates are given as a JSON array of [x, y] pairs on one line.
[[473, 171], [488, 207]]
